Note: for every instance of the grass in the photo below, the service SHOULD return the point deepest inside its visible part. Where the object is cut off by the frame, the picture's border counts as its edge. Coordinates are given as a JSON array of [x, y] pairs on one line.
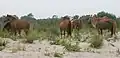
[[49, 34]]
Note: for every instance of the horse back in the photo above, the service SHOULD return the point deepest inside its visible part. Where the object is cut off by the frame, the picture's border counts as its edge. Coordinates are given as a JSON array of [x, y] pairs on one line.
[[20, 24], [105, 24]]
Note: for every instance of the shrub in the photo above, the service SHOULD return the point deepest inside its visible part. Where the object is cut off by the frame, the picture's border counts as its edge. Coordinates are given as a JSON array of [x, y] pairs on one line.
[[3, 41], [96, 41], [4, 34], [58, 54], [32, 36], [67, 44], [71, 47]]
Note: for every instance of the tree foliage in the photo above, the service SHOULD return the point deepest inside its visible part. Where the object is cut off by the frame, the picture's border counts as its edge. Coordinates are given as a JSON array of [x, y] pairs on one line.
[[76, 17], [109, 15], [30, 17], [54, 17]]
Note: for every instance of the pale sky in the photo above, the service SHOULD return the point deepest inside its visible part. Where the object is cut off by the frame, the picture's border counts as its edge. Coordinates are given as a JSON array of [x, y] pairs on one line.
[[47, 8]]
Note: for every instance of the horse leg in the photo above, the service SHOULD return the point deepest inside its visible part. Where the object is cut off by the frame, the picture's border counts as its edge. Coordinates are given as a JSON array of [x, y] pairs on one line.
[[64, 33], [78, 27], [19, 32], [26, 31], [98, 31], [61, 32], [108, 30], [67, 32], [15, 32], [112, 32], [101, 32]]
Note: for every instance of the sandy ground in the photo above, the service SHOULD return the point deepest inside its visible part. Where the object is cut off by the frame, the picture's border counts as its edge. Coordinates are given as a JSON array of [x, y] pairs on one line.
[[16, 49]]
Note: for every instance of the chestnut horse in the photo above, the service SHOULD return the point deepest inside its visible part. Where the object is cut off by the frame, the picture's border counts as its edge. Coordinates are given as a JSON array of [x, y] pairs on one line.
[[103, 24], [76, 24], [16, 25], [65, 26]]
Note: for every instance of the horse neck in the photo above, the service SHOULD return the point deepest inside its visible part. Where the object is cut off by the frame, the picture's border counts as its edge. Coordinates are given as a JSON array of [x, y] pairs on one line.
[[12, 20], [93, 22]]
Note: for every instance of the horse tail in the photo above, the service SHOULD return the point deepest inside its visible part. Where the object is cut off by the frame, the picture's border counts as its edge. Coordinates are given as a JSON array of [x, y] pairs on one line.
[[6, 27], [81, 23], [29, 25], [69, 28], [114, 27]]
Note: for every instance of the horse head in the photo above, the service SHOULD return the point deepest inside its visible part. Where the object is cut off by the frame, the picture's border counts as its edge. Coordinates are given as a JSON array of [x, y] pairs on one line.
[[11, 18], [8, 19], [66, 17]]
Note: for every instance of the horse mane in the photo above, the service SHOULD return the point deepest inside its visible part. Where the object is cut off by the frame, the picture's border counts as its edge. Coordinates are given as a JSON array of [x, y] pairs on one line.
[[66, 17], [13, 17]]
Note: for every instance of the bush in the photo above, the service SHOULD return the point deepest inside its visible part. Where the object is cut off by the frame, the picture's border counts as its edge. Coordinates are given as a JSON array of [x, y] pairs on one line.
[[71, 47], [4, 34], [96, 41], [3, 41], [58, 55], [67, 44], [34, 35], [54, 31]]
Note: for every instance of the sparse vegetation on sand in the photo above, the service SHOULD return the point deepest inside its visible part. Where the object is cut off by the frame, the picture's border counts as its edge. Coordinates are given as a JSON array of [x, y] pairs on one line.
[[44, 40]]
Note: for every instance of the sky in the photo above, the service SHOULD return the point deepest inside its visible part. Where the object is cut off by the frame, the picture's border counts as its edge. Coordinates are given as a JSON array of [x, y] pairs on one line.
[[47, 8]]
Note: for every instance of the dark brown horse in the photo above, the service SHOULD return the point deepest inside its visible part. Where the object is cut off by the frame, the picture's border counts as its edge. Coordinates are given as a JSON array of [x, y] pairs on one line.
[[103, 24], [65, 26], [16, 25]]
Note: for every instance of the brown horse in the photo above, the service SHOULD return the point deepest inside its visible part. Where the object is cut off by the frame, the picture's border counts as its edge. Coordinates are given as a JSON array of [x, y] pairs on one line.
[[103, 24], [76, 24], [15, 25], [65, 26]]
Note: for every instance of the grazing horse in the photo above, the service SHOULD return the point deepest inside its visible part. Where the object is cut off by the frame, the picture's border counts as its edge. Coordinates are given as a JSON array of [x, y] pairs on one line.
[[76, 24], [103, 24], [15, 25], [65, 26]]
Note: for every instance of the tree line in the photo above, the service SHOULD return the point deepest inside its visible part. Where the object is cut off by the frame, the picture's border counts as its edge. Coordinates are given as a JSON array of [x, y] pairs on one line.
[[46, 22]]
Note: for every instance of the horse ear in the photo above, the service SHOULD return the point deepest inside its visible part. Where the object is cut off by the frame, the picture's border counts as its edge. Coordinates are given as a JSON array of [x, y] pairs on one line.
[[8, 15]]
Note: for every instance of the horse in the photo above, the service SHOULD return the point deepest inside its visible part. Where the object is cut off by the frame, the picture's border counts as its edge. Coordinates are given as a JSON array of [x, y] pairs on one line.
[[65, 26], [104, 23], [76, 24], [16, 25]]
